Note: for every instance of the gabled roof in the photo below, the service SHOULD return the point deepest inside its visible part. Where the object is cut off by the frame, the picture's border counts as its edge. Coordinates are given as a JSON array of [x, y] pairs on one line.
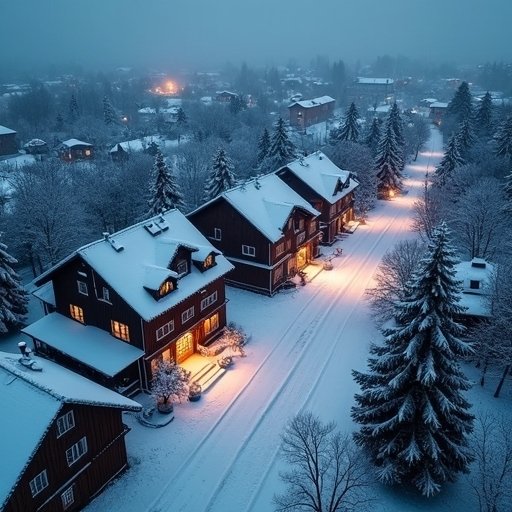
[[30, 401], [266, 202], [438, 104], [70, 143], [315, 102], [323, 176], [5, 131], [123, 258]]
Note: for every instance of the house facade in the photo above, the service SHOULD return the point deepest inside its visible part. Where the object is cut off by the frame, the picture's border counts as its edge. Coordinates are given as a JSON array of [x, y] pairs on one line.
[[264, 228], [74, 149], [437, 111], [65, 445], [8, 145], [305, 113], [372, 91], [326, 188], [151, 292]]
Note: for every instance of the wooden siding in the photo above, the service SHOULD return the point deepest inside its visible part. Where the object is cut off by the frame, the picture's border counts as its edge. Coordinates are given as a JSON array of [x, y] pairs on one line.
[[105, 457], [302, 117], [8, 145]]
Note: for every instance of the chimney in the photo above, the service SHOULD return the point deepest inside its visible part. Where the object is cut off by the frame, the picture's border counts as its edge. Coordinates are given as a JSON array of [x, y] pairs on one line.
[[106, 234], [23, 348]]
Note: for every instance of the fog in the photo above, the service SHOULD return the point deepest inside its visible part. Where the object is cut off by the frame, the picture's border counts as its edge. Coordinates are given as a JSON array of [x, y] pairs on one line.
[[206, 33]]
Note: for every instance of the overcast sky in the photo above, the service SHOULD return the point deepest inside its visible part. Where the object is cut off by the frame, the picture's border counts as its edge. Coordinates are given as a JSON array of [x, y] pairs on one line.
[[172, 34]]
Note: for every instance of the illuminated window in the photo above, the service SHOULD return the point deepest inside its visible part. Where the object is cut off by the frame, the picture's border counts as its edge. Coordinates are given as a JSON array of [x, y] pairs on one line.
[[209, 261], [67, 497], [77, 313], [87, 152], [82, 288], [187, 315], [248, 250], [211, 324], [39, 483], [77, 451], [208, 301], [184, 347], [163, 331], [120, 330], [65, 423], [182, 267], [166, 288]]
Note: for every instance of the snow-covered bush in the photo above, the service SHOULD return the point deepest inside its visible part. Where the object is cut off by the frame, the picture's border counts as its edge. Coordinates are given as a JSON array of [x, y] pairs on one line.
[[170, 383]]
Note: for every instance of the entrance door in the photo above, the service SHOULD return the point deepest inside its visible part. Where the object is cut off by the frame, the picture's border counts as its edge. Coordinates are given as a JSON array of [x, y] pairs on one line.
[[184, 347], [302, 257]]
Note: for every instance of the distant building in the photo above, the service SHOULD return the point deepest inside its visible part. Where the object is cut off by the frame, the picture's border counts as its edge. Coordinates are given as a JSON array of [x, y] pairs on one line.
[[8, 145], [305, 113], [372, 90], [437, 112], [225, 96], [74, 149], [36, 147], [62, 437]]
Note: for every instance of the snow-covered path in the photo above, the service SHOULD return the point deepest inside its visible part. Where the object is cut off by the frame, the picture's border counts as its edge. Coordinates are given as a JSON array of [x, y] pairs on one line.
[[304, 346]]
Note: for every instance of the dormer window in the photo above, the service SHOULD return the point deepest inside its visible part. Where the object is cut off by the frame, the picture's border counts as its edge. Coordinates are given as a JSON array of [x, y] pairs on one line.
[[167, 287], [209, 261], [182, 267]]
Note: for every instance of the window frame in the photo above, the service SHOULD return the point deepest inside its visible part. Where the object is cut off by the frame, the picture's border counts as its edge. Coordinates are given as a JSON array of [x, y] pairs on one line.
[[179, 264], [217, 234], [68, 497], [39, 483], [82, 288], [208, 322], [119, 330], [209, 300], [187, 314], [77, 313], [105, 294], [280, 248], [474, 284], [68, 420], [76, 451], [169, 325], [249, 250]]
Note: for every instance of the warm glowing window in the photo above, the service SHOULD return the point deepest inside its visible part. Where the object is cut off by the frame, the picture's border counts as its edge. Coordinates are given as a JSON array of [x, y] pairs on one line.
[[166, 288], [39, 483], [209, 261], [211, 324], [163, 331], [184, 346], [120, 330], [208, 301], [77, 313], [82, 288], [187, 315]]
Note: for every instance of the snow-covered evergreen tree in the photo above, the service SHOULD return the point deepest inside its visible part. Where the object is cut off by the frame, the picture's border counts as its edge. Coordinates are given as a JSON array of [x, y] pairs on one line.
[[221, 177], [387, 163], [465, 138], [282, 149], [13, 297], [59, 122], [349, 129], [396, 122], [484, 115], [452, 159], [170, 383], [460, 106], [414, 418], [263, 146], [504, 139], [74, 111], [109, 114], [373, 136], [165, 192], [181, 117]]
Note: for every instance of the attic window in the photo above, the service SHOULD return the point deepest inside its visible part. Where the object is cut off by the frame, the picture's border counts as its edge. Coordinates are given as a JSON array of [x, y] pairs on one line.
[[209, 261], [182, 267], [167, 287], [474, 285]]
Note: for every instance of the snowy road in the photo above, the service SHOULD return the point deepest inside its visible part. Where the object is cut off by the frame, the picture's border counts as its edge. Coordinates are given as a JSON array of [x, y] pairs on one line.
[[304, 347]]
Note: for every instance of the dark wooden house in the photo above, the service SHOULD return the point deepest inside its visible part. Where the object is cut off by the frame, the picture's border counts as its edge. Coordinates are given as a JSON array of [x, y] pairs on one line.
[[8, 144], [437, 111], [225, 96], [326, 187], [62, 437], [264, 228], [305, 113], [152, 291], [74, 149], [372, 91]]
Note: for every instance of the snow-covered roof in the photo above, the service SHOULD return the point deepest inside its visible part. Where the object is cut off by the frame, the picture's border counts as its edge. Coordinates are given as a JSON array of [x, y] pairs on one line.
[[375, 81], [90, 345], [70, 143], [228, 93], [45, 293], [266, 202], [5, 131], [34, 143], [323, 176], [154, 276], [30, 401], [475, 299], [315, 102], [438, 104], [383, 109], [137, 145], [125, 270]]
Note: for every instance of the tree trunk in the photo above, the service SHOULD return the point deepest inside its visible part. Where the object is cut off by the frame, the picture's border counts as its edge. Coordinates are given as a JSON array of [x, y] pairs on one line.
[[502, 381]]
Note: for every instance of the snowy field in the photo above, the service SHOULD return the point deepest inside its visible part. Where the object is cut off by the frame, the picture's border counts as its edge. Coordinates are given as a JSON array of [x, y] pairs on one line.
[[221, 454]]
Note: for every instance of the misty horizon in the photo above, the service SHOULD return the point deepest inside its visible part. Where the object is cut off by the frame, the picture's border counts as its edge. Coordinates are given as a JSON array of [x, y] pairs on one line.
[[205, 35]]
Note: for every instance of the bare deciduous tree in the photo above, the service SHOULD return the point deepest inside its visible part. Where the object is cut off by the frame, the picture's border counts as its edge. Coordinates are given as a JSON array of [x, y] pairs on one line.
[[491, 478], [393, 274], [328, 473], [427, 212]]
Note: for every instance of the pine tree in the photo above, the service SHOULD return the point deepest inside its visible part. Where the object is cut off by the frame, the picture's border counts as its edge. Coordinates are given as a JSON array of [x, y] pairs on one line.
[[452, 159], [350, 128], [74, 111], [281, 149], [221, 177], [165, 192], [59, 122], [460, 107], [396, 122], [235, 104], [504, 139], [465, 138], [387, 164], [109, 114], [263, 146], [373, 136], [415, 420], [13, 297], [181, 117], [508, 193], [484, 115]]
